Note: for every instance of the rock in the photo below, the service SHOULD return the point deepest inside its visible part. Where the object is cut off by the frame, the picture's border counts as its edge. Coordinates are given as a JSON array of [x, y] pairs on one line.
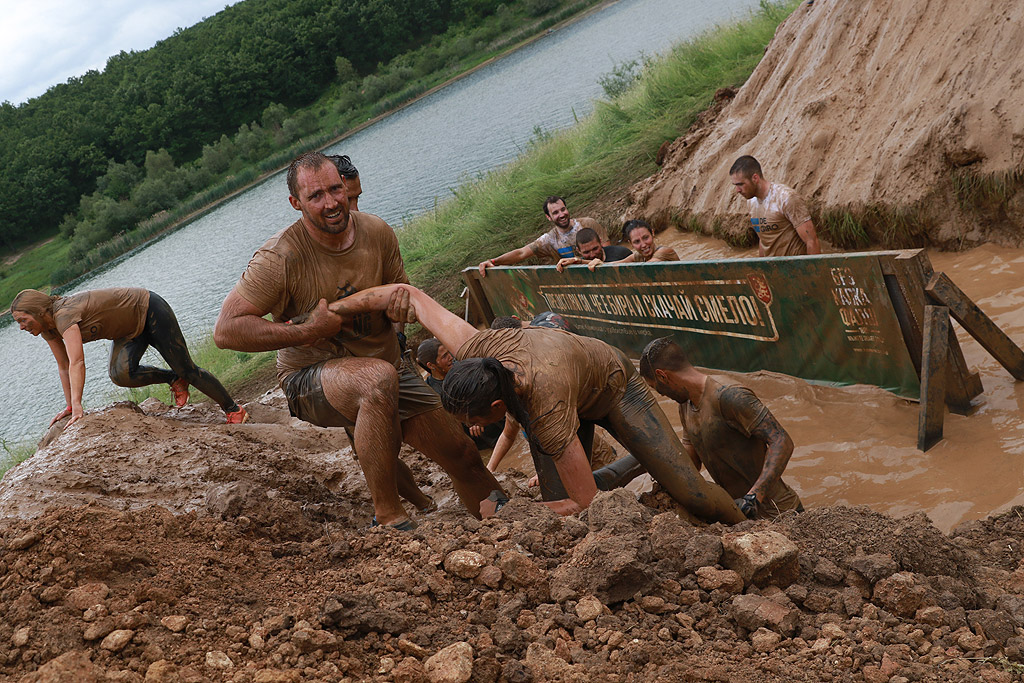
[[490, 576], [162, 671], [215, 659], [311, 640], [453, 664], [753, 612], [762, 557], [522, 572], [764, 640], [360, 612], [993, 625], [873, 567], [95, 612], [409, 670], [51, 594], [412, 649], [116, 640], [612, 568], [87, 595], [256, 641], [703, 550], [710, 579], [669, 536], [25, 542], [277, 676], [544, 664], [900, 594], [70, 666], [99, 629], [832, 631], [276, 623], [589, 608], [932, 615], [652, 604], [21, 636], [617, 511], [828, 572], [465, 564], [175, 623]]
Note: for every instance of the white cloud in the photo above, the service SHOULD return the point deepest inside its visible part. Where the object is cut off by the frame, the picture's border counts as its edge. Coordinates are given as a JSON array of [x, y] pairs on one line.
[[45, 42]]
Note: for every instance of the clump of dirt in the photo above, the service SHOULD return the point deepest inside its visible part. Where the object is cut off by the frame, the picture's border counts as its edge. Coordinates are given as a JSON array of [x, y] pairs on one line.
[[155, 544], [898, 113]]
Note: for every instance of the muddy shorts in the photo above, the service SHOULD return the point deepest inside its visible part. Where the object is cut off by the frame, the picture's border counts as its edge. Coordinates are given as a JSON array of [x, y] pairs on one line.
[[306, 399]]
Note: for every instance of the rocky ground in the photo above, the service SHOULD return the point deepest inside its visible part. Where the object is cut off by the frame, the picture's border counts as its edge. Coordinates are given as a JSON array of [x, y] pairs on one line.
[[242, 553]]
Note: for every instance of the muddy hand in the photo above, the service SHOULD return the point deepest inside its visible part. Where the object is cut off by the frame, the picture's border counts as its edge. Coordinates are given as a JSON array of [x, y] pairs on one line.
[[322, 322], [61, 415], [400, 308]]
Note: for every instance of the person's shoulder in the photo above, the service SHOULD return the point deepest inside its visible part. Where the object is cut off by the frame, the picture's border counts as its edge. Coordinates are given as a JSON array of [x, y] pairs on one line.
[[369, 222], [285, 241], [588, 222], [615, 252]]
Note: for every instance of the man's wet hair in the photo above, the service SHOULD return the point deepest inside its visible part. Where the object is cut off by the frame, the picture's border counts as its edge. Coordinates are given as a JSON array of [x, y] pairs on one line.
[[553, 199], [506, 322], [586, 235], [662, 354], [629, 226], [345, 166], [747, 166], [427, 352], [309, 160]]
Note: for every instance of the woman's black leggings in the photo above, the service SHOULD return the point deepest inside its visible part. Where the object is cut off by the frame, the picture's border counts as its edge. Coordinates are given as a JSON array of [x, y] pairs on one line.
[[162, 333]]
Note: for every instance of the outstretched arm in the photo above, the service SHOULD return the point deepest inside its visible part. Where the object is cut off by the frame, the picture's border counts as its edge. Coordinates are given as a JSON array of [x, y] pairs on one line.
[[242, 327], [509, 258], [574, 471], [76, 370], [60, 354], [504, 443], [451, 330], [776, 457]]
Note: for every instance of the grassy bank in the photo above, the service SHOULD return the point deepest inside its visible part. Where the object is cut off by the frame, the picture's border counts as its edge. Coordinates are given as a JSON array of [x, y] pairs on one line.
[[588, 164]]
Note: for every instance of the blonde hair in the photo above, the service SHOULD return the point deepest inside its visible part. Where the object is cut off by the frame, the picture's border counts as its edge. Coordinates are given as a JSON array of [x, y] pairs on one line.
[[34, 302]]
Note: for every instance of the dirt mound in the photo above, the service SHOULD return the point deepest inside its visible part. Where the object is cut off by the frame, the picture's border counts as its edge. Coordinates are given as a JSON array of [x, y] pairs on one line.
[[159, 545], [905, 111]]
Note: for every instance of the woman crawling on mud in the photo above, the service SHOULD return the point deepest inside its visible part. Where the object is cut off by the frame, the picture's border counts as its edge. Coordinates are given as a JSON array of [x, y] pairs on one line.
[[134, 319], [557, 386]]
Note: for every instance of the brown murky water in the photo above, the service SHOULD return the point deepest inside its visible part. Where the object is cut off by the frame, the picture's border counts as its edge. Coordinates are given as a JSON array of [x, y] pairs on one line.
[[858, 445]]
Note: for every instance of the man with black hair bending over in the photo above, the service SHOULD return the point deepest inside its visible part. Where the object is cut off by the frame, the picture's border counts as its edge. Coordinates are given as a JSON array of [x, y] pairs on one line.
[[777, 213], [727, 429]]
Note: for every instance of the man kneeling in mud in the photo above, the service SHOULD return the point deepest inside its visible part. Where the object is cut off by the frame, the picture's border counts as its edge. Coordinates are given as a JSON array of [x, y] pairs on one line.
[[727, 429]]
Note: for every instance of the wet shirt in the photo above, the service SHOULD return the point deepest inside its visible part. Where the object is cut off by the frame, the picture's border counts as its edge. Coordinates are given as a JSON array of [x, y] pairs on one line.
[[614, 252], [775, 220], [116, 313], [660, 254], [291, 273], [557, 244], [719, 430], [564, 378]]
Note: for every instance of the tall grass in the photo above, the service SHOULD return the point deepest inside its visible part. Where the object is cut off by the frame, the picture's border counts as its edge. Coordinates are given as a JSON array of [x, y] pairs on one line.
[[612, 148]]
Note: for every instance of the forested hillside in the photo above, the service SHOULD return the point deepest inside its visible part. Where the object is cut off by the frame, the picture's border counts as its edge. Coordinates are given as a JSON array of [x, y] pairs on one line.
[[99, 153]]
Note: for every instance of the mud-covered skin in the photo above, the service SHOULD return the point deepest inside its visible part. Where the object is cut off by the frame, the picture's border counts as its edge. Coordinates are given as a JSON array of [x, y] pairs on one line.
[[776, 456], [162, 333]]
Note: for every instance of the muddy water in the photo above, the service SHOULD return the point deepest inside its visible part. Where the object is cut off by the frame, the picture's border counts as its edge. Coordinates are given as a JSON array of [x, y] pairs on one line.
[[858, 445]]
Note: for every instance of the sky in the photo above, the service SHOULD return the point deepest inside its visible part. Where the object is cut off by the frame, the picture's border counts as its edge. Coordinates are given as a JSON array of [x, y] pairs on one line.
[[45, 42]]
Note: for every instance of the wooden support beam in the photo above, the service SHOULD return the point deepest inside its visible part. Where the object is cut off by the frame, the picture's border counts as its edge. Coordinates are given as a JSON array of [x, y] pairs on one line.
[[942, 290], [477, 297], [934, 361]]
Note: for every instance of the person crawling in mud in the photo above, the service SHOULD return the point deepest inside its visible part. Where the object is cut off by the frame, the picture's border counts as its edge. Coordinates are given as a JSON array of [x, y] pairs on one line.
[[556, 243], [778, 214], [609, 472], [588, 246], [727, 429], [134, 319], [556, 385], [339, 372]]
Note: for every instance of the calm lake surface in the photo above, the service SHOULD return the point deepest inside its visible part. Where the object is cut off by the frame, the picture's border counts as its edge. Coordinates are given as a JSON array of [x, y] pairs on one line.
[[407, 162]]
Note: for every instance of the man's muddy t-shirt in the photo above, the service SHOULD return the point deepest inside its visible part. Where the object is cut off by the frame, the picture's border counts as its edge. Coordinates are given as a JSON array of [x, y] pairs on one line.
[[291, 273], [719, 429], [558, 244], [775, 220], [116, 313], [564, 378]]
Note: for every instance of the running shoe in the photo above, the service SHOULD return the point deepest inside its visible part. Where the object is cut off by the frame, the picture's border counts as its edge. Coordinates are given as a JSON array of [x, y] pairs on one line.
[[179, 390], [237, 417]]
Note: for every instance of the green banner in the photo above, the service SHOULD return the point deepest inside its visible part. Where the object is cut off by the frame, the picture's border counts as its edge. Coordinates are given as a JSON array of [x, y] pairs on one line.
[[823, 318]]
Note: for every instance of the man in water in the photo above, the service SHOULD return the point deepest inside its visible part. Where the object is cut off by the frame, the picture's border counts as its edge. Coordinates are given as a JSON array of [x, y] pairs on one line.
[[778, 214], [556, 243], [345, 373], [433, 357], [589, 248], [727, 429]]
